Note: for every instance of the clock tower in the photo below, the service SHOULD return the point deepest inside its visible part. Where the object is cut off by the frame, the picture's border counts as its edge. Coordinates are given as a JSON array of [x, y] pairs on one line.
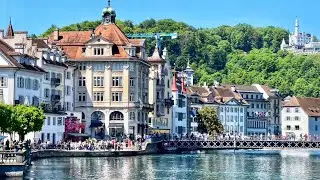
[[108, 15]]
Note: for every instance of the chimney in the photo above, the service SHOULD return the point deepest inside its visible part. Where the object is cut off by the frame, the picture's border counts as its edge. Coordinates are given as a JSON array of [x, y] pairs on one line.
[[233, 89], [92, 32], [1, 33], [56, 34]]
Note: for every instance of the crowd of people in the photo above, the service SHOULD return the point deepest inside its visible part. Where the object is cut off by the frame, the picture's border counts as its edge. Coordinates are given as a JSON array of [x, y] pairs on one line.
[[92, 145], [140, 143]]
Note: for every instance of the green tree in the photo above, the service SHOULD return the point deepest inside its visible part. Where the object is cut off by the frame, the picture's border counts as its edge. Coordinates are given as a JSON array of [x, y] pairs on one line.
[[5, 118], [209, 122], [27, 119]]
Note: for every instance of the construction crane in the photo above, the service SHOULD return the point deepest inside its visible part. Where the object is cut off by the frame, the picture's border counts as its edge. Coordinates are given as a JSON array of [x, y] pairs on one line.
[[158, 36]]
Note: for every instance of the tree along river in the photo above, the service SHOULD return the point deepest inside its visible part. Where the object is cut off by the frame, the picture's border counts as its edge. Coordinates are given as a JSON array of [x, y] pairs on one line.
[[258, 164]]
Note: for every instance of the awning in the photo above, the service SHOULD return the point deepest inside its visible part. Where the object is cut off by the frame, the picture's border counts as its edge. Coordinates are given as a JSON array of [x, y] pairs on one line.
[[160, 131], [78, 135], [96, 124], [116, 126]]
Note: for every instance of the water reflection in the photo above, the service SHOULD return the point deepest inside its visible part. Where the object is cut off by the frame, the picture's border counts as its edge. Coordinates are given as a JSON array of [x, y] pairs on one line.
[[214, 165]]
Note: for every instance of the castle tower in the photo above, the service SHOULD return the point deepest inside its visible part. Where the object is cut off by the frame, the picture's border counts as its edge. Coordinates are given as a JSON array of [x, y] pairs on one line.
[[189, 74]]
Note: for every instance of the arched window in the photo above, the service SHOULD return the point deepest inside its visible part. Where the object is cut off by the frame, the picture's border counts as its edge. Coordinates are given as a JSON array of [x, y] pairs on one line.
[[97, 116], [116, 116], [115, 50]]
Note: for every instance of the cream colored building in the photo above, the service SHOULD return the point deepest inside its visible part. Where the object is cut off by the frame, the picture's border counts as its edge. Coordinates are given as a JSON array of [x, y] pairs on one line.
[[160, 93], [300, 117], [112, 78]]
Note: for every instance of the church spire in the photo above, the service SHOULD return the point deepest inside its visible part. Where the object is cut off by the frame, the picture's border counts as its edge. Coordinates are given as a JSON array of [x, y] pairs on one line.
[[109, 3], [10, 32], [296, 29]]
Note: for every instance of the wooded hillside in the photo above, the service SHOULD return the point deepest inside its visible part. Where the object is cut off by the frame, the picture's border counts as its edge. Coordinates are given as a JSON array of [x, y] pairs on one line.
[[239, 54]]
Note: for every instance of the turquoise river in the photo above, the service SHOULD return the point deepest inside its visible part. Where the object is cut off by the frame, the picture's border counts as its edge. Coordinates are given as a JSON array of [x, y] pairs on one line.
[[246, 165]]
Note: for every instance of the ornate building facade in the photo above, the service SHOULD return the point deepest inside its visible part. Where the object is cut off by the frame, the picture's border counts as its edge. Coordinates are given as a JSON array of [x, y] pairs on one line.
[[112, 78]]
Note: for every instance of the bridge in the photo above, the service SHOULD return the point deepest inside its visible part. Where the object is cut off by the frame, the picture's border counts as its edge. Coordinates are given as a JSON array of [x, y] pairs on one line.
[[237, 144]]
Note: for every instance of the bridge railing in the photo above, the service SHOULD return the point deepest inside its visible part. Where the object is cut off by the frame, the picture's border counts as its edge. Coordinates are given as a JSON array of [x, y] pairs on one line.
[[10, 157]]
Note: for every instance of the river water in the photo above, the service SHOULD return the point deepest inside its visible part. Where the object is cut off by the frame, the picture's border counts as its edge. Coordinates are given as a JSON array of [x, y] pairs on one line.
[[247, 165]]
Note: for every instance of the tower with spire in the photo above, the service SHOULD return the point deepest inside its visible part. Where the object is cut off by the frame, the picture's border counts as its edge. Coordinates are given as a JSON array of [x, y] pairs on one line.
[[109, 14], [10, 32], [300, 42], [189, 74]]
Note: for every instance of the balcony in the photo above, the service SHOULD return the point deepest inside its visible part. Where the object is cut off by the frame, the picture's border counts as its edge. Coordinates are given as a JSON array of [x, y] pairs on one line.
[[55, 98], [168, 102], [149, 107], [54, 109], [55, 82]]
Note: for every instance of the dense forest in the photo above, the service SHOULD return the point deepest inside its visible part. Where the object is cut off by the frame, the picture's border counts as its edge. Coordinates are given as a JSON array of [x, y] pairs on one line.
[[239, 54]]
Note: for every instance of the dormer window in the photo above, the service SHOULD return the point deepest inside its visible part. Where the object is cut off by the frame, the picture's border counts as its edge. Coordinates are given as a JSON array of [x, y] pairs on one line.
[[52, 57], [98, 51]]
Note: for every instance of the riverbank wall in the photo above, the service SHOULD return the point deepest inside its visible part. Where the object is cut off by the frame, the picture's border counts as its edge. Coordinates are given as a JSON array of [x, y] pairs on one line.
[[151, 148]]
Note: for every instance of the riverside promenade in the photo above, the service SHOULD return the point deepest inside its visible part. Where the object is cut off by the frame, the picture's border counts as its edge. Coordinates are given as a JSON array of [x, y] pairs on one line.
[[13, 164], [148, 149]]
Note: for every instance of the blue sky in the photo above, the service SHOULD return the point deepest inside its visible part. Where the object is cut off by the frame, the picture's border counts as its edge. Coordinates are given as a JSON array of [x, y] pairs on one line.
[[36, 16]]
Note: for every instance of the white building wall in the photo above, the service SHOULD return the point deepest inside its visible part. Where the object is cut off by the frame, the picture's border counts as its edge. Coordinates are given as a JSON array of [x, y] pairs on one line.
[[233, 118], [176, 110], [292, 117]]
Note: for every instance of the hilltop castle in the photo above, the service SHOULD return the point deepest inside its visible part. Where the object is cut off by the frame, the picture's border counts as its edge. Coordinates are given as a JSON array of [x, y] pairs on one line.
[[301, 42]]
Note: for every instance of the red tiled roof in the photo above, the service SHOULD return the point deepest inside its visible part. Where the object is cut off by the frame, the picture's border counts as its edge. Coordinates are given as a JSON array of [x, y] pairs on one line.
[[73, 42], [137, 42], [311, 106], [112, 33]]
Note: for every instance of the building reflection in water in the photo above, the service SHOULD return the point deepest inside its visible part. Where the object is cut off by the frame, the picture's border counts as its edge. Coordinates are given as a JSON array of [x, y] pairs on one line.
[[213, 165]]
